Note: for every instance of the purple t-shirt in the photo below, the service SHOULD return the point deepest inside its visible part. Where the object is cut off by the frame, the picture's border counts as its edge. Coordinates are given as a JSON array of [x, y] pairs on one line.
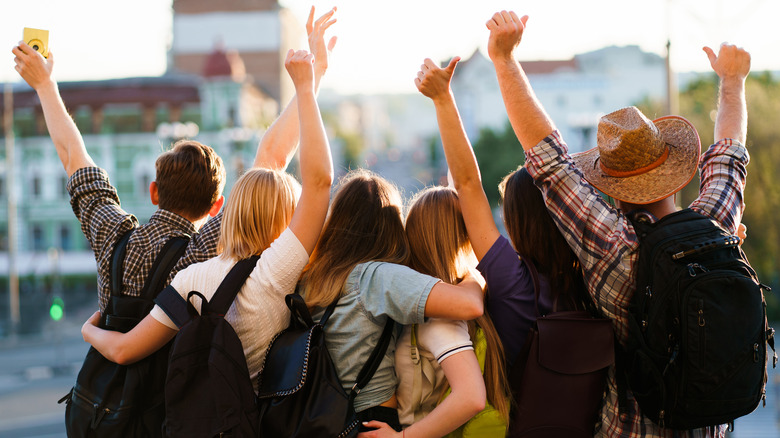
[[510, 299]]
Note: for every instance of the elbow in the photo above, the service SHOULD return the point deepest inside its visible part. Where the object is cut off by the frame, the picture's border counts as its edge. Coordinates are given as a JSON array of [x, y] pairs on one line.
[[474, 309], [121, 356], [476, 405]]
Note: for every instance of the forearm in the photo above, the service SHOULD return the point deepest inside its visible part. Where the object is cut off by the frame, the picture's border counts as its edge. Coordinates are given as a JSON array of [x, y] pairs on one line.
[[526, 114], [145, 338], [278, 145], [464, 301], [466, 178], [112, 345], [457, 149], [316, 163], [731, 121], [466, 399], [63, 131]]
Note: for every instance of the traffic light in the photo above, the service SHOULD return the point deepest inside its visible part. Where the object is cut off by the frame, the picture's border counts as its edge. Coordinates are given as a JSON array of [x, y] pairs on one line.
[[57, 309]]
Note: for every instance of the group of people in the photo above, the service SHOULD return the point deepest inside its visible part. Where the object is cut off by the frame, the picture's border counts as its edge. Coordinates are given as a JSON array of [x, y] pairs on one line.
[[462, 291]]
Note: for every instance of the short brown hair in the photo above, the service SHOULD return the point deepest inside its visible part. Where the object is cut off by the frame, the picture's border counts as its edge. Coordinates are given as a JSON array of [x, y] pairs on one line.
[[190, 178]]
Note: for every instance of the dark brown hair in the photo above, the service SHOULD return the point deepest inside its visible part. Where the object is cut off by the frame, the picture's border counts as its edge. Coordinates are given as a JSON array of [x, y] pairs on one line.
[[536, 238], [364, 224], [190, 178]]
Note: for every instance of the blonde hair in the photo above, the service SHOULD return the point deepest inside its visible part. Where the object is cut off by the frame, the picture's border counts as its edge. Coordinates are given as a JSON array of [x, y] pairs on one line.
[[440, 247], [365, 224], [259, 208]]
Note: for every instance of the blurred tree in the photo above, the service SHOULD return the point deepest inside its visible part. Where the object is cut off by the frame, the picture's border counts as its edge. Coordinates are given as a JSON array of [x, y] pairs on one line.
[[698, 104], [498, 153]]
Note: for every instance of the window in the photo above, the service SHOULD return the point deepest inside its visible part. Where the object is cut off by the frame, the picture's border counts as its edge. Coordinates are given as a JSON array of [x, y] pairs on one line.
[[36, 186], [66, 242], [64, 186], [37, 238]]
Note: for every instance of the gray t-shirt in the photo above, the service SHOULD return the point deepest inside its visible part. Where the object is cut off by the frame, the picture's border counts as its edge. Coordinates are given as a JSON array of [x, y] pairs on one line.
[[373, 292]]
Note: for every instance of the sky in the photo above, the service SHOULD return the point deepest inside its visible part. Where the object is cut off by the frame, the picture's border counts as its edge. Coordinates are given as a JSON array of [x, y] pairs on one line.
[[381, 45]]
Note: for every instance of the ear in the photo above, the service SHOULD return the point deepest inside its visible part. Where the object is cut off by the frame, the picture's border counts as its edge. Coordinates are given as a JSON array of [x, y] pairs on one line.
[[155, 197], [216, 206]]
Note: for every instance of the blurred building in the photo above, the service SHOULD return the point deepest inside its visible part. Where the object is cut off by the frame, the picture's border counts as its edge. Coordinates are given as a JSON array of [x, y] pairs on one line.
[[218, 89], [574, 92]]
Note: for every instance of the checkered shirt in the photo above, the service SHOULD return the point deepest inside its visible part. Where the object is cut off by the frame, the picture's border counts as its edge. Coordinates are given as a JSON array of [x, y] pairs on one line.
[[104, 222], [607, 247]]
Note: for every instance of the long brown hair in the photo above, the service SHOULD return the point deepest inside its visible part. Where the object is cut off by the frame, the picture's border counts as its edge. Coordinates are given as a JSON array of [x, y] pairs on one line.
[[536, 238], [440, 247], [365, 224]]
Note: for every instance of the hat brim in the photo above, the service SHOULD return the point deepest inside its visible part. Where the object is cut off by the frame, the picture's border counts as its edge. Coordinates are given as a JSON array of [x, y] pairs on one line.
[[668, 178]]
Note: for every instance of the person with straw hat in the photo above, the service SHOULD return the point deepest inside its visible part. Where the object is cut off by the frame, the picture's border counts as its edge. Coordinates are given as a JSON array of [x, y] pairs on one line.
[[640, 163]]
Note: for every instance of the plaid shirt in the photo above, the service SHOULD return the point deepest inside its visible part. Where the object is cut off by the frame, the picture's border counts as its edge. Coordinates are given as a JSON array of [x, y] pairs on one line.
[[96, 205], [607, 246]]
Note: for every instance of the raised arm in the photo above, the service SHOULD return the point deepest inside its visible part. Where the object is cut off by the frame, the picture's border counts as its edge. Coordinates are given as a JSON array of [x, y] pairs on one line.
[[280, 141], [126, 348], [316, 162], [37, 72], [526, 114], [732, 65], [434, 82]]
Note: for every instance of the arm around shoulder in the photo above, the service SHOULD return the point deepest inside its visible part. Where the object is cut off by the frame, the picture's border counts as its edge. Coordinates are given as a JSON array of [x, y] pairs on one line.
[[464, 301], [127, 348]]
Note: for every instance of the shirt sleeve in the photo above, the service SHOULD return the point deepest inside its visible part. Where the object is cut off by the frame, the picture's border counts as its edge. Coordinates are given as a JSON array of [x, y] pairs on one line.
[[396, 291], [284, 261], [510, 295], [183, 284], [723, 170], [444, 337], [161, 317], [96, 205]]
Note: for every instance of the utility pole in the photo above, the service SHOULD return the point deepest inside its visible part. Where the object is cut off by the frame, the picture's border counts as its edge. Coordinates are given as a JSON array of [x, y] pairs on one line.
[[672, 103], [13, 276]]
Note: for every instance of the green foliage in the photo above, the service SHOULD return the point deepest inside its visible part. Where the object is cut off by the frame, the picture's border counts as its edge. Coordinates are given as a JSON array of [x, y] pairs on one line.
[[498, 154]]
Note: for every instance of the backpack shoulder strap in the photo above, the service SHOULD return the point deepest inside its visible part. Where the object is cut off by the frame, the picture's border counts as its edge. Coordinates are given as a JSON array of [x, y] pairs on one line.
[[117, 260], [228, 289], [176, 307], [371, 365], [167, 258]]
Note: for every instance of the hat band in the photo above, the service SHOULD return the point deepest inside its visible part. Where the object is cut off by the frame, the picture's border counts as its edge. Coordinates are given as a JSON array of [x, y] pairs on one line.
[[625, 173]]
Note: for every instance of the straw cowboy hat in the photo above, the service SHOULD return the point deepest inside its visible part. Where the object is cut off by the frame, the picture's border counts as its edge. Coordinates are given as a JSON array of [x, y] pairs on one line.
[[638, 160]]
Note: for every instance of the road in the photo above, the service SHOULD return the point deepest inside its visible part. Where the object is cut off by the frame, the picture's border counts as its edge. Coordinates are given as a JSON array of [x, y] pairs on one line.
[[37, 371]]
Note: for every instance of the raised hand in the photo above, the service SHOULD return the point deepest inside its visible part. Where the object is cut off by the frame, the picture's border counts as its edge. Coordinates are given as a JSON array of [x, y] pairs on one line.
[[316, 31], [300, 66], [32, 66], [433, 81], [730, 62], [506, 31]]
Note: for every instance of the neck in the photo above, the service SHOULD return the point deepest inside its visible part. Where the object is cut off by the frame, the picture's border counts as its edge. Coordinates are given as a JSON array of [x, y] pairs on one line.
[[658, 209]]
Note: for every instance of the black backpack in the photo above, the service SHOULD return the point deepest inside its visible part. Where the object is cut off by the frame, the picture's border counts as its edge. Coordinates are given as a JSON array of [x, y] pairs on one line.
[[111, 400], [698, 334], [300, 394], [208, 391]]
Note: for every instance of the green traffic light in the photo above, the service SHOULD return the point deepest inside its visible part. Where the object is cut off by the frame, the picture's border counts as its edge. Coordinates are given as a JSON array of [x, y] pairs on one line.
[[57, 309]]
